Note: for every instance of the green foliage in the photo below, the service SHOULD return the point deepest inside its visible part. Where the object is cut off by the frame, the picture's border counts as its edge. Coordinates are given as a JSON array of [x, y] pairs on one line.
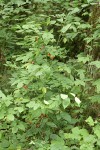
[[51, 100]]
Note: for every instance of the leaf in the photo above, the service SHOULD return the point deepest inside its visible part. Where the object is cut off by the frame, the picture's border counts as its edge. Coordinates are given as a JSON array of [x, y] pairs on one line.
[[44, 90], [15, 129], [95, 98], [51, 124], [20, 109], [2, 114], [46, 102], [66, 102], [96, 130], [47, 36], [77, 100], [66, 117], [2, 95], [90, 121], [20, 85], [96, 63], [63, 96], [33, 105], [21, 127], [75, 10], [83, 59], [10, 117], [97, 84], [30, 104], [4, 144], [65, 28], [18, 2], [89, 1], [57, 144], [79, 82]]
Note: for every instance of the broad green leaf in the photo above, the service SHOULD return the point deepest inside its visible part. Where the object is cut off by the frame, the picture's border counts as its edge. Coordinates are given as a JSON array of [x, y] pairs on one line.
[[66, 102], [15, 129], [95, 98], [47, 37], [75, 10], [20, 109], [2, 95], [51, 124], [10, 117], [83, 59], [79, 82], [96, 63], [90, 121], [5, 144], [97, 84], [33, 105], [96, 130], [89, 1], [21, 127], [20, 85], [64, 96], [65, 28], [30, 104]]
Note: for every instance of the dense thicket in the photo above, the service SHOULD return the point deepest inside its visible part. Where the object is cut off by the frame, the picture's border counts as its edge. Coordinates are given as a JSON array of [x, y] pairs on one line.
[[50, 85]]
